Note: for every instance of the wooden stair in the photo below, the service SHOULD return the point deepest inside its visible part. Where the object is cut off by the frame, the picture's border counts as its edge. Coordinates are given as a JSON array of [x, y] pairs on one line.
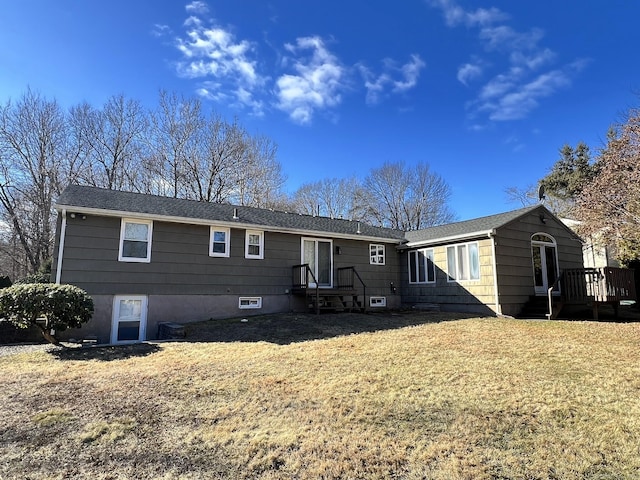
[[345, 296], [335, 300]]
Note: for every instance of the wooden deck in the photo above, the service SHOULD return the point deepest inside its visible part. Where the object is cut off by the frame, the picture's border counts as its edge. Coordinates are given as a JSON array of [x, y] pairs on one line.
[[592, 286]]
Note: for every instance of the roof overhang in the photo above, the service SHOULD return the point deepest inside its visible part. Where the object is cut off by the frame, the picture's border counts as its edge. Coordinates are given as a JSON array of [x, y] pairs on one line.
[[450, 239], [222, 223]]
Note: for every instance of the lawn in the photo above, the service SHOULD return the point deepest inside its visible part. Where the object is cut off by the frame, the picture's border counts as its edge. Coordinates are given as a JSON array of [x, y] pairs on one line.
[[408, 396]]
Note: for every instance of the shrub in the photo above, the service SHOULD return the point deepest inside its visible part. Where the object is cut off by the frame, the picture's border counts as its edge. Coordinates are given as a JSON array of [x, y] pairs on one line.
[[47, 306], [5, 281], [40, 277]]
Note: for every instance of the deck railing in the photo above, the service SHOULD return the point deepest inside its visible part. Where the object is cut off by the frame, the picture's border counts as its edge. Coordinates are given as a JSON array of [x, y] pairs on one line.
[[348, 278], [593, 285]]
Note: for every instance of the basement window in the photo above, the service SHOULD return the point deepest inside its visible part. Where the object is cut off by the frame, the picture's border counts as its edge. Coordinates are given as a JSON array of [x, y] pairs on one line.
[[377, 301], [249, 302]]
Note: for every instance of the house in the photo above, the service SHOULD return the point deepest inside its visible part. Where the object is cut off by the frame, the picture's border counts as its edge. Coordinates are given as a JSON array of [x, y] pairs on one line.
[[489, 265], [147, 260], [595, 253]]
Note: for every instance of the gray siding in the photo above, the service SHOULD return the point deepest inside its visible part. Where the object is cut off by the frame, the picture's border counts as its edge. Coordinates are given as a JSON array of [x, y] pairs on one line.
[[514, 261], [184, 283]]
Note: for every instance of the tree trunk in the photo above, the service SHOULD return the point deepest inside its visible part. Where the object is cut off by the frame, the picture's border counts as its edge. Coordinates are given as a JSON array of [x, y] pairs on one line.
[[46, 333]]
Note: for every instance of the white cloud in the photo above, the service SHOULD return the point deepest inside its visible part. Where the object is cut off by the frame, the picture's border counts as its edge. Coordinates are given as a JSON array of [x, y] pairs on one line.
[[518, 89], [410, 73], [213, 55], [469, 72], [397, 79], [455, 15], [505, 38], [501, 84], [197, 8], [160, 30], [317, 83], [533, 61], [519, 103]]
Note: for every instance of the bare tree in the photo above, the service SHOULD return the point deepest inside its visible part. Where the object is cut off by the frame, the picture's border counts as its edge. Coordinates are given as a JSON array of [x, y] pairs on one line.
[[331, 197], [176, 129], [523, 196], [259, 178], [33, 146], [211, 167], [406, 198], [111, 140]]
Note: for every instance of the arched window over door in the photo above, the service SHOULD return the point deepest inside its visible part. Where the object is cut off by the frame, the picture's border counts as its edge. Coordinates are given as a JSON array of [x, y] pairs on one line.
[[544, 253]]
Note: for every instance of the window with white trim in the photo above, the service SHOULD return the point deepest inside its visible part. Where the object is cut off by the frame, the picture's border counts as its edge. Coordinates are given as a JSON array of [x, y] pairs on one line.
[[254, 244], [249, 302], [135, 240], [376, 254], [463, 262], [422, 269], [219, 242], [377, 301]]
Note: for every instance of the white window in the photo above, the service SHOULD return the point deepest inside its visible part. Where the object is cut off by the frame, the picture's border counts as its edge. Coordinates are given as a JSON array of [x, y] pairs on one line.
[[254, 244], [377, 301], [219, 242], [376, 254], [422, 269], [135, 240], [463, 262], [249, 302]]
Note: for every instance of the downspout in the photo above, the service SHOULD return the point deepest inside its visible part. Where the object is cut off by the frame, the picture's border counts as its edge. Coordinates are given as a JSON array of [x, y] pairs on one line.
[[492, 236], [63, 231]]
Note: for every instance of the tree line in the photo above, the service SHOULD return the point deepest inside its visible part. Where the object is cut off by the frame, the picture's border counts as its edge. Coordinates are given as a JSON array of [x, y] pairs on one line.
[[174, 149]]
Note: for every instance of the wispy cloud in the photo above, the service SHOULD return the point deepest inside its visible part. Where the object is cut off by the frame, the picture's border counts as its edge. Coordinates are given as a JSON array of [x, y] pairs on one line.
[[469, 72], [317, 83], [455, 15], [197, 8], [395, 79], [518, 102], [528, 75]]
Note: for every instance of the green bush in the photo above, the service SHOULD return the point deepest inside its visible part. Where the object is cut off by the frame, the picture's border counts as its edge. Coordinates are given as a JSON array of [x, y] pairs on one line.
[[47, 306], [40, 277], [5, 281]]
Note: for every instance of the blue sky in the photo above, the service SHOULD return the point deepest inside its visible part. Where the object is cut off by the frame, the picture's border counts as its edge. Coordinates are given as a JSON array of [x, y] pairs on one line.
[[485, 92]]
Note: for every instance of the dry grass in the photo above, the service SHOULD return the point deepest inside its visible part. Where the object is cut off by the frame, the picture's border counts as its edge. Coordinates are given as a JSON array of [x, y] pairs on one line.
[[461, 399]]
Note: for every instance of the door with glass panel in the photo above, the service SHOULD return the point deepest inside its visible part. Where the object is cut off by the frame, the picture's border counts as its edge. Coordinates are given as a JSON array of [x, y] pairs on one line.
[[318, 254], [545, 263], [129, 318]]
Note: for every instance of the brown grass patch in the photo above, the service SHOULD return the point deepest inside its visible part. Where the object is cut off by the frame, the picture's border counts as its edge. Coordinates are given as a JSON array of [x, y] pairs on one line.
[[462, 399]]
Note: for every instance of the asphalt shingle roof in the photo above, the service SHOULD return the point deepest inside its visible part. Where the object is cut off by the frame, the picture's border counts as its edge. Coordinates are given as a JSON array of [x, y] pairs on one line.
[[86, 197], [467, 227]]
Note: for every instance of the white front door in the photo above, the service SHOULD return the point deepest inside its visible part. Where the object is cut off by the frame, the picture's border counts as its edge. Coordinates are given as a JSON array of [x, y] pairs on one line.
[[318, 254], [129, 322], [545, 263]]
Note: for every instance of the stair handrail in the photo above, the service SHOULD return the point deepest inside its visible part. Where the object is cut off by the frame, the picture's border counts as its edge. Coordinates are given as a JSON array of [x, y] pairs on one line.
[[354, 273], [550, 294], [304, 281]]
